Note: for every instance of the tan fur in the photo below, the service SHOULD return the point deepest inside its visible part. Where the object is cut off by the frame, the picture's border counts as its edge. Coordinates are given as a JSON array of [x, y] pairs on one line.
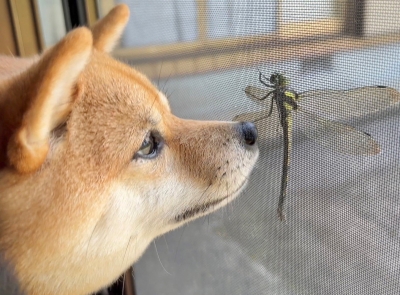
[[77, 207]]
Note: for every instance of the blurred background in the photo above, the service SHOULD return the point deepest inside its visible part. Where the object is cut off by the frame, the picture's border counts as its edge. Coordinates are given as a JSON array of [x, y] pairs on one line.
[[342, 233]]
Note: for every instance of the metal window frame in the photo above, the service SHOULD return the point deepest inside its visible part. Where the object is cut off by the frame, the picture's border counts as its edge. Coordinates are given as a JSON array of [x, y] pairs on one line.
[[311, 38]]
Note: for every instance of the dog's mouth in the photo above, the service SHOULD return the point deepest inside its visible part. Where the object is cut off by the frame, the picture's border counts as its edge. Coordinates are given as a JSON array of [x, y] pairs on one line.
[[203, 208], [198, 209]]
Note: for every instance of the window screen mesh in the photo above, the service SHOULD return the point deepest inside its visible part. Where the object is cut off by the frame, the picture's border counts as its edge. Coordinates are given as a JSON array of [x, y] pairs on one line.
[[341, 235]]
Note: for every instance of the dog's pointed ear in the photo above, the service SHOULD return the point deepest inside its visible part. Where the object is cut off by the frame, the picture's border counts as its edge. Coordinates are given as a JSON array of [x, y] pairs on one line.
[[44, 97], [108, 30]]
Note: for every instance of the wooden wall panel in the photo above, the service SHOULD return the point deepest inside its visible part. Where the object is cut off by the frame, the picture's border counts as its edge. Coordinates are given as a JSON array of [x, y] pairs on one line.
[[8, 44]]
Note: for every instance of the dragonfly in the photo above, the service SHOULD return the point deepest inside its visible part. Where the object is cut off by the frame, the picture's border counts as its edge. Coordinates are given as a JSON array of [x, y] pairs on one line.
[[328, 132]]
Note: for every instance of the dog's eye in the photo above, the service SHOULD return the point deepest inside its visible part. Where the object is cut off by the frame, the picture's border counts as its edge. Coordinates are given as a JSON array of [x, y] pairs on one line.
[[150, 146], [147, 147]]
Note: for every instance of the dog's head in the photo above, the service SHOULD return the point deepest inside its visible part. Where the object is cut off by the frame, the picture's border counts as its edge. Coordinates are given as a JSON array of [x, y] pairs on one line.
[[94, 165]]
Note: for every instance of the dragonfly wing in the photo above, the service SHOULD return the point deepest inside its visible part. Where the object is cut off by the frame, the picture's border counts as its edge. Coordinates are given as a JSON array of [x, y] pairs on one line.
[[257, 95], [337, 136], [266, 125], [251, 116], [346, 104]]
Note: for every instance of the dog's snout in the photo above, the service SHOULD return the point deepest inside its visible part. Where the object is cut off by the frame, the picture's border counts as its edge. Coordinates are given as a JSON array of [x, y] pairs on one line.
[[248, 133]]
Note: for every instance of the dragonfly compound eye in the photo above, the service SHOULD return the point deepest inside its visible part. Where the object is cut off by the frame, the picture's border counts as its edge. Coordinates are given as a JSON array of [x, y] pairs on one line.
[[274, 79], [279, 79]]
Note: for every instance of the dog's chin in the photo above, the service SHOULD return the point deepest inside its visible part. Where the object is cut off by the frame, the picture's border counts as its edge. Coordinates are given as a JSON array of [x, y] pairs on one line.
[[206, 208]]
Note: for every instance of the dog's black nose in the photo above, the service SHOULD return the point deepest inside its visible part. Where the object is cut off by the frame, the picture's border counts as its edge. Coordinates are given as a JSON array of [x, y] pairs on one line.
[[248, 132]]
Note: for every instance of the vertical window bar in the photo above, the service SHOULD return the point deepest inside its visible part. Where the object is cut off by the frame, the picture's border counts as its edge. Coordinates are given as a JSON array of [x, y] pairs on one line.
[[202, 19], [67, 18], [75, 13], [354, 18], [178, 23], [279, 18]]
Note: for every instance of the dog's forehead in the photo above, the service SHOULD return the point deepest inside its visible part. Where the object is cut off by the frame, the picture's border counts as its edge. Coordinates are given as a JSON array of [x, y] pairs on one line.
[[116, 111], [112, 84]]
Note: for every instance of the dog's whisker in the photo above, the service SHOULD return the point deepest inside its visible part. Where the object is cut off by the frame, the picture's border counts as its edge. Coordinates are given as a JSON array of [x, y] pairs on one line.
[[242, 174], [133, 273], [123, 284], [227, 199], [213, 206], [151, 107], [136, 243], [87, 248], [126, 249], [166, 81], [166, 243], [169, 94], [179, 242], [204, 221], [159, 74], [158, 256], [202, 195]]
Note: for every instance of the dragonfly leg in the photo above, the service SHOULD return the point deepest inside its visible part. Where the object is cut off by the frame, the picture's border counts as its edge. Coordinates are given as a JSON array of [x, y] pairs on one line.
[[260, 76], [281, 214], [264, 97], [271, 106]]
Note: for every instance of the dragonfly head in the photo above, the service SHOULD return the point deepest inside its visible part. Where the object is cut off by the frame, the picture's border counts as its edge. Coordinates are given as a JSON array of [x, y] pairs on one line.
[[278, 79]]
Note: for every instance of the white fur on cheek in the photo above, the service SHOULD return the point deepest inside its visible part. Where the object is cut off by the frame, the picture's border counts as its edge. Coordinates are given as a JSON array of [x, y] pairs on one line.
[[141, 209], [120, 228]]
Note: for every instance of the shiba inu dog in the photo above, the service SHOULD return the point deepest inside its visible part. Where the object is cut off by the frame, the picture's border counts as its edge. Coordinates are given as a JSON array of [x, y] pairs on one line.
[[94, 166]]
